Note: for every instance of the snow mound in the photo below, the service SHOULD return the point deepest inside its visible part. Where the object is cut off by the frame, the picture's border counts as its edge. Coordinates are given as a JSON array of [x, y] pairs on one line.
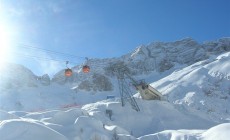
[[218, 132], [89, 128], [7, 116], [173, 135], [154, 116], [156, 120], [26, 130], [37, 98]]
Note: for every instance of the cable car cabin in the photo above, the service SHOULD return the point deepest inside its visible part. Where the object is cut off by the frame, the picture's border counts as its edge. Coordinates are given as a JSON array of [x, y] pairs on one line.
[[68, 72], [86, 69]]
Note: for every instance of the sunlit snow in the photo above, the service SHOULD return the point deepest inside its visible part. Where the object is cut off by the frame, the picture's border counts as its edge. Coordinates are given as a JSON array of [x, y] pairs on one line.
[[196, 107]]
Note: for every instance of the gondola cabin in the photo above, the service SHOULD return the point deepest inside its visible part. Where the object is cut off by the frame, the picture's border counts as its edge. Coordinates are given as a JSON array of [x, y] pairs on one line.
[[86, 69], [68, 72]]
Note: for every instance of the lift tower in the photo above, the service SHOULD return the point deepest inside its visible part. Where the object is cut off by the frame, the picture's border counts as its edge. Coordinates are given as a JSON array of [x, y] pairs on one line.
[[125, 92], [146, 91]]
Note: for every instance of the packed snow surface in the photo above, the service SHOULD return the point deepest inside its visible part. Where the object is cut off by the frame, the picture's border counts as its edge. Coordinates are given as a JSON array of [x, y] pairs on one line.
[[92, 122]]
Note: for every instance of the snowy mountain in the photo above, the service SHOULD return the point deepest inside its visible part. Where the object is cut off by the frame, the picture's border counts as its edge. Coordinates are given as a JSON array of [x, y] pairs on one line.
[[156, 57], [14, 76], [193, 78]]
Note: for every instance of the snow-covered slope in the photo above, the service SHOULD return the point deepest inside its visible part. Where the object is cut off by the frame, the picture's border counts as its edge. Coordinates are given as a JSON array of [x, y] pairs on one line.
[[203, 87], [15, 76], [156, 120], [35, 107], [219, 132], [93, 120]]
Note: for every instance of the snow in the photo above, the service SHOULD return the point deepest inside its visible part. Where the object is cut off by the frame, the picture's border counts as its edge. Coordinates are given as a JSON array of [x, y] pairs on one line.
[[203, 87], [5, 115], [27, 130], [219, 132], [91, 122], [196, 107], [148, 120]]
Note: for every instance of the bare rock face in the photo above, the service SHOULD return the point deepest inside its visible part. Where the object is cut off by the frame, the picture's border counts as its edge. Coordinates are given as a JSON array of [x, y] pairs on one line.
[[165, 65], [217, 47], [98, 82], [85, 85], [45, 80], [101, 83]]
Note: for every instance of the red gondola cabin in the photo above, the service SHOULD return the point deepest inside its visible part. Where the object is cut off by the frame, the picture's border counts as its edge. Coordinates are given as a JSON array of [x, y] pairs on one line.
[[86, 69], [68, 72]]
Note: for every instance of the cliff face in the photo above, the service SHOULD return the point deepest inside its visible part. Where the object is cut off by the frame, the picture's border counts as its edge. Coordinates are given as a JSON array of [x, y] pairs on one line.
[[162, 56]]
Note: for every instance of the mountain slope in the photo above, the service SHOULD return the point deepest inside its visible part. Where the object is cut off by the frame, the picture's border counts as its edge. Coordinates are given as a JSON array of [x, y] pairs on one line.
[[203, 86], [158, 57]]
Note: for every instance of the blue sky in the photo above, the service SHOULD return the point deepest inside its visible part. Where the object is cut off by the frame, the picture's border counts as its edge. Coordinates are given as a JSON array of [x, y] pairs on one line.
[[106, 28]]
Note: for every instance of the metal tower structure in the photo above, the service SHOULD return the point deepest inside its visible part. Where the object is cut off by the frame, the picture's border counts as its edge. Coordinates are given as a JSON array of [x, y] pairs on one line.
[[146, 91], [125, 92]]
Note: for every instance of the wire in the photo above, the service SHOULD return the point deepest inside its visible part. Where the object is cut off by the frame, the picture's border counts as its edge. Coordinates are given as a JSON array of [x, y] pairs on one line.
[[47, 51], [42, 58], [55, 52], [50, 51]]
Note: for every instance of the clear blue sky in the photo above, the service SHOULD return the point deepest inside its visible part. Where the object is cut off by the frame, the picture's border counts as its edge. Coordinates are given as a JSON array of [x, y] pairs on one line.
[[109, 28]]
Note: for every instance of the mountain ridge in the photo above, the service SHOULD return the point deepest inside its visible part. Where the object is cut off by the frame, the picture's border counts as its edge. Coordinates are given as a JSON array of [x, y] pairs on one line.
[[155, 57], [146, 59]]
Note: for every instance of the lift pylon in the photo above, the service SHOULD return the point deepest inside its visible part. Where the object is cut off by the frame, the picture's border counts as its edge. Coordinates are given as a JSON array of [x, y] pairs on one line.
[[146, 91], [125, 92]]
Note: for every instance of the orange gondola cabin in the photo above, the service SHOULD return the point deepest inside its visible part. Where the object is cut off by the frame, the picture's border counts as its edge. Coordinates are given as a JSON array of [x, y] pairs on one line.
[[86, 69], [68, 72]]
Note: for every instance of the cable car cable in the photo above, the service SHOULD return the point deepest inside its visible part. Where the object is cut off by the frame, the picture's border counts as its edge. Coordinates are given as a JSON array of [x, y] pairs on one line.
[[50, 51], [43, 58]]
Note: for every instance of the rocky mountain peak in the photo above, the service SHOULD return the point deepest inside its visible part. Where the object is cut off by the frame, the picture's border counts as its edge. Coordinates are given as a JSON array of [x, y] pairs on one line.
[[157, 56]]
